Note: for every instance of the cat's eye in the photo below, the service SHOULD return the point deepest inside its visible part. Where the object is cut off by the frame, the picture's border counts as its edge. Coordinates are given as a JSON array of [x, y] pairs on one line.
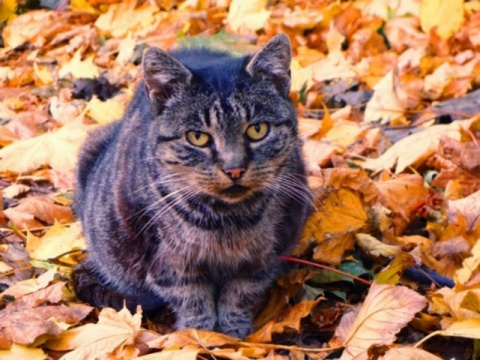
[[198, 138], [258, 131]]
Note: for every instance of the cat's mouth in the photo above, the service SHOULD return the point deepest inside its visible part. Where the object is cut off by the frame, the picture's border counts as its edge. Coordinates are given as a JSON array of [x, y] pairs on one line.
[[235, 191]]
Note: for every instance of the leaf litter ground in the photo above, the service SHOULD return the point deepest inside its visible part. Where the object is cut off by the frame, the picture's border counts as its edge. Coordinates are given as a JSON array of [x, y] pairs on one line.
[[388, 264]]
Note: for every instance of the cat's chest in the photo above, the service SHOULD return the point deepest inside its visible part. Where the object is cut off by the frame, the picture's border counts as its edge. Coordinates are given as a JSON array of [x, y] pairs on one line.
[[223, 248]]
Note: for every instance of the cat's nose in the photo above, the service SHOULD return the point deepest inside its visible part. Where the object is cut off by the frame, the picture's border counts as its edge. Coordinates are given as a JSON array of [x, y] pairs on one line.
[[234, 173]]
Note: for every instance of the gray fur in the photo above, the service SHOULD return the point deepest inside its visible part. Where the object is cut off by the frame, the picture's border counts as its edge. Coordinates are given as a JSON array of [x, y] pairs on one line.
[[163, 223]]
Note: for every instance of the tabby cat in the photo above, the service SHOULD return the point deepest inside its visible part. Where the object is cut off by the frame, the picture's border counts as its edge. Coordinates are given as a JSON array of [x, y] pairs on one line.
[[191, 198]]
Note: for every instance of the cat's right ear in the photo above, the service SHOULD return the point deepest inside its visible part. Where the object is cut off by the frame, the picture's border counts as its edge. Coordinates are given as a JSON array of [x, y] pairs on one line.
[[165, 77]]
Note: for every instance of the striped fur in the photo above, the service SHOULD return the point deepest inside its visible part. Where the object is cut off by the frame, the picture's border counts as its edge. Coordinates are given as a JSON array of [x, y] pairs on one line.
[[163, 223]]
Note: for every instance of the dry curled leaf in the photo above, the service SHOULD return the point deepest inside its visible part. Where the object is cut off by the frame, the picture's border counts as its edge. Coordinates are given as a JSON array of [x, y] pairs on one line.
[[386, 310]]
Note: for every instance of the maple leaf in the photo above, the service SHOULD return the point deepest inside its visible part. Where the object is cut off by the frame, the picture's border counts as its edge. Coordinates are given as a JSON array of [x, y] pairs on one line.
[[79, 68], [126, 16], [115, 332], [247, 14], [289, 319], [385, 311], [334, 224]]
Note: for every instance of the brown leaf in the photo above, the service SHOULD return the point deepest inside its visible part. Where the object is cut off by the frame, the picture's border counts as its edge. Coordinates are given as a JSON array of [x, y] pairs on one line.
[[27, 318], [37, 211], [289, 319]]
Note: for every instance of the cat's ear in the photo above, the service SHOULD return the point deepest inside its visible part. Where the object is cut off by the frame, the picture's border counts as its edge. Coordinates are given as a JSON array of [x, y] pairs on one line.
[[273, 62], [165, 77]]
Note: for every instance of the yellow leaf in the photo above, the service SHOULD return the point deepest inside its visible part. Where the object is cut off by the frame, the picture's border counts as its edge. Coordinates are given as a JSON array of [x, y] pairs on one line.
[[114, 330], [17, 352], [7, 9], [79, 68], [469, 266], [334, 224], [42, 75], [57, 240], [58, 150], [391, 274], [413, 149], [469, 328], [386, 310], [344, 133], [375, 247], [126, 16], [82, 5], [247, 14], [104, 112], [445, 16], [26, 27]]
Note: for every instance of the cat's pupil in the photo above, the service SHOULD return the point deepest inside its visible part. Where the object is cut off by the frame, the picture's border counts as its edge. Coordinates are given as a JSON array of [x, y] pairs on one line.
[[257, 128], [197, 135]]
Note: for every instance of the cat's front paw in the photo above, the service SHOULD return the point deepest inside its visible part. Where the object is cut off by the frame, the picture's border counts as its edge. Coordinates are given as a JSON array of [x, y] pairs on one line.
[[236, 325], [204, 322]]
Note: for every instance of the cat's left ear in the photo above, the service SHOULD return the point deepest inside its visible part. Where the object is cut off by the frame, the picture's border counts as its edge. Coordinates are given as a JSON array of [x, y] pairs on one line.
[[165, 77], [273, 62]]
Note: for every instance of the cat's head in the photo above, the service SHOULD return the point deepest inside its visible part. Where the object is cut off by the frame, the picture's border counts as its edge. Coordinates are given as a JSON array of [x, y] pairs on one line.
[[222, 126]]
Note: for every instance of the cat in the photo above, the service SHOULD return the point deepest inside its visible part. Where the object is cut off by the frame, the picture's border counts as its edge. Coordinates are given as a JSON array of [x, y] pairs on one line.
[[191, 198]]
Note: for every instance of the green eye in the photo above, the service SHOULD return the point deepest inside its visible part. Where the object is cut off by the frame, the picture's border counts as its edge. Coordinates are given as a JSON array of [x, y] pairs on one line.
[[258, 131], [198, 138]]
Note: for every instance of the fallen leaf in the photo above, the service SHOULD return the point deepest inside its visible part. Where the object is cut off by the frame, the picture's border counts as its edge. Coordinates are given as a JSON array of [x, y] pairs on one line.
[[469, 266], [36, 211], [58, 150], [17, 352], [403, 194], [384, 106], [26, 27], [42, 320], [408, 353], [104, 112], [413, 149], [31, 285], [385, 311], [392, 273], [375, 247], [290, 319], [114, 331], [334, 224], [126, 16], [58, 239], [468, 207], [79, 68], [247, 14], [469, 328], [448, 16]]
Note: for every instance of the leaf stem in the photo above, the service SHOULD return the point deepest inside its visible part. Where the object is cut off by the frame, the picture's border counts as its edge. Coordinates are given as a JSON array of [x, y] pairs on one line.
[[324, 267]]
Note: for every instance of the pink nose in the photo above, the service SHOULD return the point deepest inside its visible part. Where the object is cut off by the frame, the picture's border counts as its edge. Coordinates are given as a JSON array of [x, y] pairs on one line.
[[234, 173]]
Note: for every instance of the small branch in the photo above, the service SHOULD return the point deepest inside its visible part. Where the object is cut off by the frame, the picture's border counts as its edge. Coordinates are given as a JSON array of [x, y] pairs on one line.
[[324, 267]]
